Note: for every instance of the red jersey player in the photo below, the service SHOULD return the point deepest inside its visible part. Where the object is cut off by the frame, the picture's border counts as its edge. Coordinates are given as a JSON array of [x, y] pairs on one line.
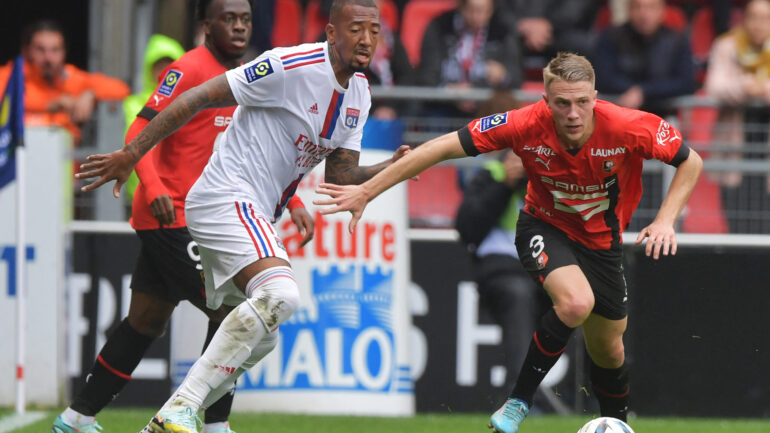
[[583, 158], [168, 268]]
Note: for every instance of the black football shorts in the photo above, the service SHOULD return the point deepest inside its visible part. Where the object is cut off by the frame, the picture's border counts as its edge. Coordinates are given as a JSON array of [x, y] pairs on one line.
[[543, 248], [168, 265]]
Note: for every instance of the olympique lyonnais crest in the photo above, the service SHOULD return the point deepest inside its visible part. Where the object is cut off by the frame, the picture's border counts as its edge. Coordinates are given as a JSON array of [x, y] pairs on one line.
[[351, 117]]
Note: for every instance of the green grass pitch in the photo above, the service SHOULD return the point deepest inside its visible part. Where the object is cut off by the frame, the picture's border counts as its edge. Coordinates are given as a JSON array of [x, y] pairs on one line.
[[132, 421]]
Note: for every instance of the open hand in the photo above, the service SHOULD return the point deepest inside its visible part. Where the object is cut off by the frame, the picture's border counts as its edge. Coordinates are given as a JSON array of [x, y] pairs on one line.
[[352, 198], [660, 237], [115, 166]]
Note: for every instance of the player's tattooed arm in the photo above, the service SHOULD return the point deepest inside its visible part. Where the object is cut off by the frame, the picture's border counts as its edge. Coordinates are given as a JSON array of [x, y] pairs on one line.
[[213, 93], [119, 164], [342, 166]]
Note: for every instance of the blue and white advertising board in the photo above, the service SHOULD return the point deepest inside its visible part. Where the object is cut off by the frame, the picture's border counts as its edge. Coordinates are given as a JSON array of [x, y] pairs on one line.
[[345, 349]]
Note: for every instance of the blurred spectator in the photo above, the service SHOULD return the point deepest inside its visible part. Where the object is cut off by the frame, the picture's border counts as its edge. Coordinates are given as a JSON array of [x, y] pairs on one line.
[[161, 51], [486, 221], [739, 72], [466, 47], [643, 61], [56, 93], [390, 66], [470, 46], [549, 26]]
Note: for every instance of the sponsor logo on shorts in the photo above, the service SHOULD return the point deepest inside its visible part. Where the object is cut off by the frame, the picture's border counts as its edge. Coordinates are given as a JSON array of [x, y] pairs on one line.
[[169, 82], [258, 70], [280, 243], [493, 121]]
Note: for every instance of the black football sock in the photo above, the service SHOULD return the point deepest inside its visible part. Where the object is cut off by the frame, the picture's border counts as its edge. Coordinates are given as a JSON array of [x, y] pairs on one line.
[[112, 369], [219, 411], [548, 343], [612, 390]]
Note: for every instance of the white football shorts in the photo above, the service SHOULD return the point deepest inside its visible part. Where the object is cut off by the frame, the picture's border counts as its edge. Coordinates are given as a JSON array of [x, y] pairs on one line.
[[230, 236]]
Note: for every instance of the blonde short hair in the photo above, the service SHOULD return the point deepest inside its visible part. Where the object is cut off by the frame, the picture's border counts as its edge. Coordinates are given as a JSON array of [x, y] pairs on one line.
[[568, 67]]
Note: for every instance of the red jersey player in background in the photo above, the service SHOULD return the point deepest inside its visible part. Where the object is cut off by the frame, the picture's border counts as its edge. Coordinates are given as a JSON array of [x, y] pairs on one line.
[[583, 158], [168, 267]]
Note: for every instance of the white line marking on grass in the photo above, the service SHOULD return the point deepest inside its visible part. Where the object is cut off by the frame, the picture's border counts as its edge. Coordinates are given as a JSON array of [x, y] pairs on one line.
[[12, 422]]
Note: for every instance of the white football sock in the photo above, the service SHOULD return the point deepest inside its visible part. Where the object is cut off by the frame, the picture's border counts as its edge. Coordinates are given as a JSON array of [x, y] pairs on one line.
[[272, 297], [263, 348], [74, 418], [241, 330], [208, 428]]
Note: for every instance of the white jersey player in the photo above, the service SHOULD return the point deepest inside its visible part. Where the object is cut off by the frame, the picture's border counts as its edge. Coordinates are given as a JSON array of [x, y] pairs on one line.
[[292, 113], [297, 106]]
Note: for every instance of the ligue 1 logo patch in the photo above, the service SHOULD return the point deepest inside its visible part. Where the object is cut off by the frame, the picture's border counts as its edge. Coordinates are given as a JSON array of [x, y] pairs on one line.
[[169, 82], [351, 117], [493, 121], [258, 70]]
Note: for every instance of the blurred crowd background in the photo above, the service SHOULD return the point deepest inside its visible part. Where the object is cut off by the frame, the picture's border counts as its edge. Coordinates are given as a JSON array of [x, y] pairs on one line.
[[702, 64]]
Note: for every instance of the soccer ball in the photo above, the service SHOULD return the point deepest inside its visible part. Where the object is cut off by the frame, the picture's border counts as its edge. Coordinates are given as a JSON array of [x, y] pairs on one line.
[[605, 425]]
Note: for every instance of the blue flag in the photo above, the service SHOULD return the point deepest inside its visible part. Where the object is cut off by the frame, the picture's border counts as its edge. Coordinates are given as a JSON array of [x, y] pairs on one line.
[[11, 122]]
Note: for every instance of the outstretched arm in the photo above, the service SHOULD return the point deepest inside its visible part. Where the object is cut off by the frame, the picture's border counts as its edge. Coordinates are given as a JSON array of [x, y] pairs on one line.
[[342, 166], [354, 198], [118, 165], [661, 232]]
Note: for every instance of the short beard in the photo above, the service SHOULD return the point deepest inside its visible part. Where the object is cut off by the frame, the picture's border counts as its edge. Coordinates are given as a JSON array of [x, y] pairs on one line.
[[357, 68]]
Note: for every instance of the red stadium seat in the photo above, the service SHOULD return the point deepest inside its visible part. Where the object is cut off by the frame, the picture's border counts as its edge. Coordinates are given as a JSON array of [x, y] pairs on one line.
[[702, 33], [434, 199], [704, 208], [417, 15], [389, 13], [314, 22], [286, 23], [674, 17]]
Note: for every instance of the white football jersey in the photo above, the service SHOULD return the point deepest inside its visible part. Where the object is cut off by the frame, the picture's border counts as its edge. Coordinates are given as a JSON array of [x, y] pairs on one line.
[[291, 114]]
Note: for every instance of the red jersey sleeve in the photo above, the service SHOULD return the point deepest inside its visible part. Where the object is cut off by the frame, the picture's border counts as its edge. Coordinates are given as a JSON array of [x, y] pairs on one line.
[[489, 133], [174, 81], [658, 139], [145, 168]]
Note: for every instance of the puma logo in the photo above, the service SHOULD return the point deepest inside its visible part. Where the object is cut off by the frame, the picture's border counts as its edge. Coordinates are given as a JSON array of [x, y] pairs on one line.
[[545, 163]]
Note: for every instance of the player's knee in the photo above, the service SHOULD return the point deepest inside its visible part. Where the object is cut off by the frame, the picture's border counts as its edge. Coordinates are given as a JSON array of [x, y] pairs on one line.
[[574, 311], [149, 326], [609, 355], [274, 294]]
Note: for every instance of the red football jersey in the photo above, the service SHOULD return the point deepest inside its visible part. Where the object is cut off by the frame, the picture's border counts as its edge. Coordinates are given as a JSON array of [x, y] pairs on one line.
[[174, 164], [590, 195]]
